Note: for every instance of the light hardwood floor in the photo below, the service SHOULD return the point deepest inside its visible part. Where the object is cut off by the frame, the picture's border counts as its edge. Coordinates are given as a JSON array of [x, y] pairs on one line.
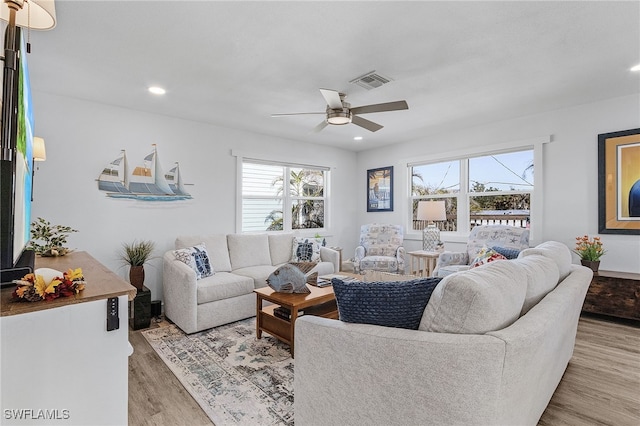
[[600, 387]]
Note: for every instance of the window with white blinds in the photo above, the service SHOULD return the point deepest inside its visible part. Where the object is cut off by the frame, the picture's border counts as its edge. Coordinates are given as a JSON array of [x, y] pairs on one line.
[[278, 197]]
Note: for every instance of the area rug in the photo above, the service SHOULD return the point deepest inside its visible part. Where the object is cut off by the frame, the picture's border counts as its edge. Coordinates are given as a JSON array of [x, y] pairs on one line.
[[234, 377]]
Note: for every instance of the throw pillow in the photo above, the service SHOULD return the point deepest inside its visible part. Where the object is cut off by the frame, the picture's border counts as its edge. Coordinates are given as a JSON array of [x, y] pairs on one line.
[[305, 250], [486, 255], [397, 304], [510, 254], [196, 258]]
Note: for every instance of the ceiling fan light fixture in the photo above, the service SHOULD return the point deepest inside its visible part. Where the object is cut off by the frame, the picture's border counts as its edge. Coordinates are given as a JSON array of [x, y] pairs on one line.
[[339, 117]]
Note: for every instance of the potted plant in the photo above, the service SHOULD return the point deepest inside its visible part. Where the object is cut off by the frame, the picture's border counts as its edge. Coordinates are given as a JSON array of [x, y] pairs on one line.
[[53, 238], [590, 251], [136, 254]]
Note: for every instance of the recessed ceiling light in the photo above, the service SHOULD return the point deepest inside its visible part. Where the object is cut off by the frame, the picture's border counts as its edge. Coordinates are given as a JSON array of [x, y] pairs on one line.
[[636, 68], [157, 90], [357, 138]]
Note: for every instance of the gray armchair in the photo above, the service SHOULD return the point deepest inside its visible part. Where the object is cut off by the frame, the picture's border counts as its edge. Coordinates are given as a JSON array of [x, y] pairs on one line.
[[380, 248], [501, 236]]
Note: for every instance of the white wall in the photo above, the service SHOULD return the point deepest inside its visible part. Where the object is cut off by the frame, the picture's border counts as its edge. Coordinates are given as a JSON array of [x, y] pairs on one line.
[[570, 171], [83, 137]]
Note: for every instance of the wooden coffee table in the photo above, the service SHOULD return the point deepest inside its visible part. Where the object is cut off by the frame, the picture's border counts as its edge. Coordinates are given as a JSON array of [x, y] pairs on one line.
[[320, 302]]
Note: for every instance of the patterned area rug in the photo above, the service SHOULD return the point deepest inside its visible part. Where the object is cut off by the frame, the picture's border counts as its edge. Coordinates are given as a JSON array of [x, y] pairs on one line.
[[234, 377]]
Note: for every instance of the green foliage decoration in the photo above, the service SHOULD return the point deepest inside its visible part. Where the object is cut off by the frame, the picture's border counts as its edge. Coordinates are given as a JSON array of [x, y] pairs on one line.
[[48, 239]]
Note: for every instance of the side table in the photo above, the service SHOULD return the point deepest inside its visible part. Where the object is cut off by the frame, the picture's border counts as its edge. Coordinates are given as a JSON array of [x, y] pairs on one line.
[[426, 262], [140, 309], [616, 294]]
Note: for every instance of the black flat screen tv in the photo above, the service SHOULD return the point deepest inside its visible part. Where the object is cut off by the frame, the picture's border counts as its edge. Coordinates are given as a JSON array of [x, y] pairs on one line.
[[16, 177]]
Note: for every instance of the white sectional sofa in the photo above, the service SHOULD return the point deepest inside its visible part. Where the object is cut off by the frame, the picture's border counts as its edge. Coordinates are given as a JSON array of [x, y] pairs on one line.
[[491, 348], [241, 263]]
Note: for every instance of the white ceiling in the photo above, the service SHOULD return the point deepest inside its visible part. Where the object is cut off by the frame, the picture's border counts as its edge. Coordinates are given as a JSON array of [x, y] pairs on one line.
[[457, 64]]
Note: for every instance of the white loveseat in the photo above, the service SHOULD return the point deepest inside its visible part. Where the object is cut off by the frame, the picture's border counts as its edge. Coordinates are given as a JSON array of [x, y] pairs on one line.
[[241, 263], [491, 348]]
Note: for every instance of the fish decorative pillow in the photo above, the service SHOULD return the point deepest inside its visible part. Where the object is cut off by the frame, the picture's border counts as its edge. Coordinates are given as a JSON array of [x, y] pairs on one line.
[[288, 279]]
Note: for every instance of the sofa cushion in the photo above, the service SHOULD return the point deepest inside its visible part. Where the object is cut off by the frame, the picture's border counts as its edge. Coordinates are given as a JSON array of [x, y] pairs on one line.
[[196, 258], [280, 247], [379, 263], [223, 285], [554, 250], [478, 300], [305, 249], [258, 274], [216, 247], [451, 269], [248, 250], [397, 304], [542, 277]]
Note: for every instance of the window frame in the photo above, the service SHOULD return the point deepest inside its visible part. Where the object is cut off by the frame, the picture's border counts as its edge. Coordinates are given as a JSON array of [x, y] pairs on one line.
[[464, 195], [288, 199]]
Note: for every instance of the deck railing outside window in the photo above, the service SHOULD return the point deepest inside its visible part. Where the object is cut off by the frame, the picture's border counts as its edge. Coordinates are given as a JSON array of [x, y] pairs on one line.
[[518, 220]]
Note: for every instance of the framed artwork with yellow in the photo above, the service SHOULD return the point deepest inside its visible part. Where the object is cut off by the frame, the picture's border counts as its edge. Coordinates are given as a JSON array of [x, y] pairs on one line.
[[619, 182]]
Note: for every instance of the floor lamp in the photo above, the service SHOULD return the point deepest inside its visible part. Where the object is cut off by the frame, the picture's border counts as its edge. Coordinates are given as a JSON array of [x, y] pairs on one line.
[[431, 211]]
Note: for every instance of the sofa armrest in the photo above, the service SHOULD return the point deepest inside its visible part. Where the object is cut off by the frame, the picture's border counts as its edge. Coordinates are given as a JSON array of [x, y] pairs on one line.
[[451, 258], [365, 374], [539, 347], [401, 255], [359, 254], [330, 255], [179, 288]]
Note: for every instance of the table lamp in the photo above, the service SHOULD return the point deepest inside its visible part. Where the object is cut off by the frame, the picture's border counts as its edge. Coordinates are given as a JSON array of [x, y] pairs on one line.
[[431, 211]]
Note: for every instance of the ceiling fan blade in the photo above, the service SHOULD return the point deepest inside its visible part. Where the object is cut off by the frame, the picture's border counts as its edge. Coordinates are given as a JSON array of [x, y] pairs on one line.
[[389, 106], [369, 125], [297, 113], [320, 126], [332, 97]]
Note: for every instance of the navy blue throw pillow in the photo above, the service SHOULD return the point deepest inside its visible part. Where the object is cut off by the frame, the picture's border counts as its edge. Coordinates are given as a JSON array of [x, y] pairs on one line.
[[397, 304], [510, 254]]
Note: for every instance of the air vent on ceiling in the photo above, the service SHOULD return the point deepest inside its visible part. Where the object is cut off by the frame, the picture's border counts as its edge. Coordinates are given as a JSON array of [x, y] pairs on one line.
[[371, 80]]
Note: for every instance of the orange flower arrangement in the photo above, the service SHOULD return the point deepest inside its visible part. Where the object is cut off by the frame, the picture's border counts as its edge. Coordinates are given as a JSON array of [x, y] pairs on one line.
[[587, 249], [33, 288]]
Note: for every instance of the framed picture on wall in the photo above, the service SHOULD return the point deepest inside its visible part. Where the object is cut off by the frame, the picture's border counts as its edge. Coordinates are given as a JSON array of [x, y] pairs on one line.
[[619, 182], [380, 189]]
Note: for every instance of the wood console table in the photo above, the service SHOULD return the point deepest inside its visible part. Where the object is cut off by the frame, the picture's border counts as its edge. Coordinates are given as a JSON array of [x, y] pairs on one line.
[[615, 294], [102, 283]]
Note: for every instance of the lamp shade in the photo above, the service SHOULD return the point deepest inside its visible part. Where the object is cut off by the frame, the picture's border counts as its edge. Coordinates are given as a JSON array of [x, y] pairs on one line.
[[39, 153], [431, 210], [35, 14]]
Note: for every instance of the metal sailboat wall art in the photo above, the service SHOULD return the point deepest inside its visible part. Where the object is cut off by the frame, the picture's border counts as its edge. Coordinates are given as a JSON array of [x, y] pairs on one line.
[[147, 182]]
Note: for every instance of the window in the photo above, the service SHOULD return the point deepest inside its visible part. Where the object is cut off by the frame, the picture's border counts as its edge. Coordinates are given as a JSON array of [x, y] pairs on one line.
[[500, 188], [483, 189], [437, 181], [278, 197]]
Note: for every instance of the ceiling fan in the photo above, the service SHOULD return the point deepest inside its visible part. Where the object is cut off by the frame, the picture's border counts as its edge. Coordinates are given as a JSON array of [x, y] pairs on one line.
[[339, 112]]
